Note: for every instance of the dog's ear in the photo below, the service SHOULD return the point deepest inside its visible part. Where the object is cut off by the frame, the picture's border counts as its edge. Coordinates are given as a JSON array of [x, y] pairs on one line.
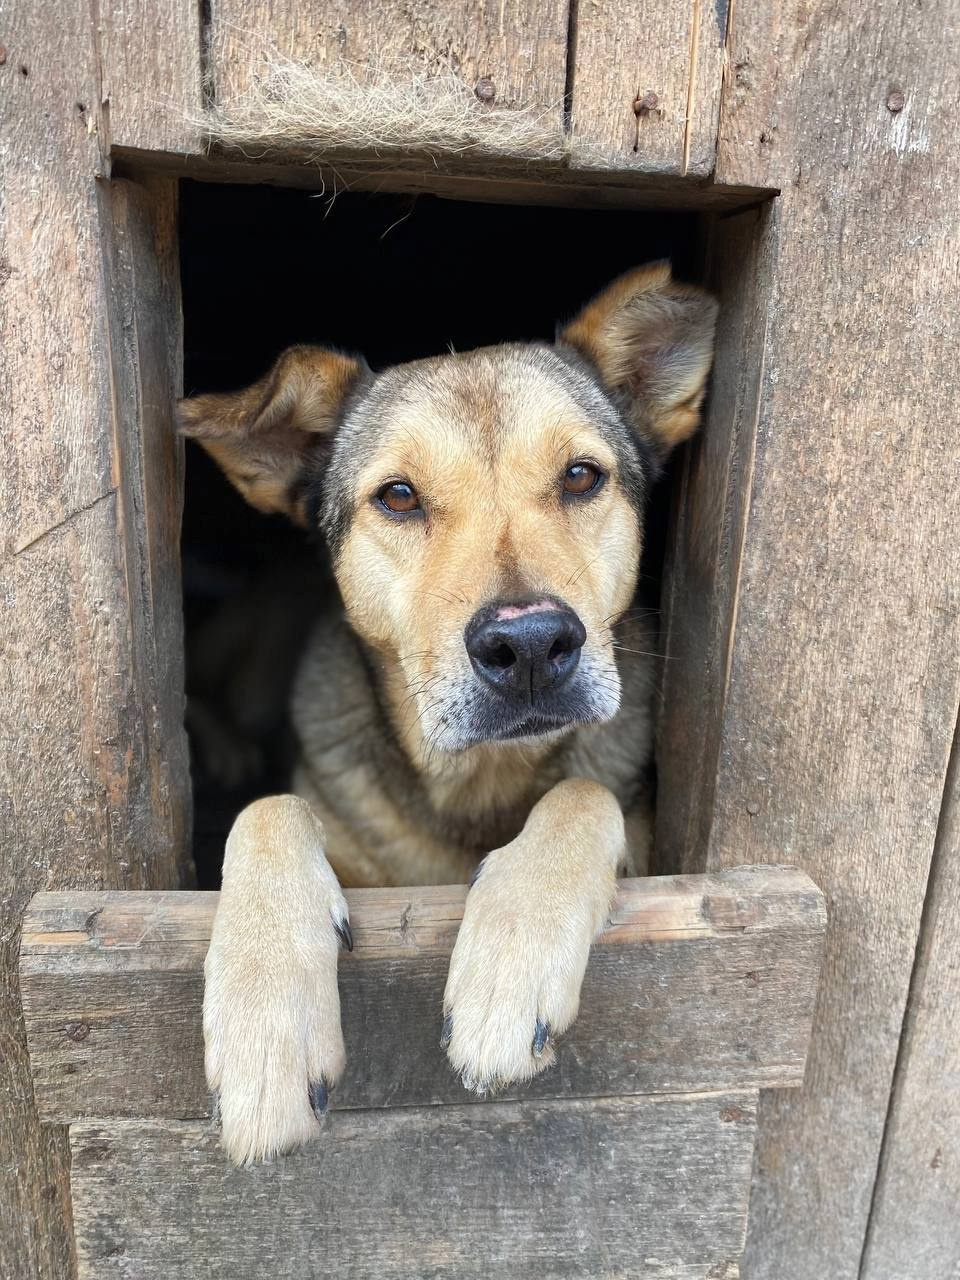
[[652, 341], [267, 437]]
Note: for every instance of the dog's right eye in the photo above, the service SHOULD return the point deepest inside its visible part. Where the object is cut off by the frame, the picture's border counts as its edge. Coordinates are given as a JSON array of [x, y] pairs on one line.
[[399, 498]]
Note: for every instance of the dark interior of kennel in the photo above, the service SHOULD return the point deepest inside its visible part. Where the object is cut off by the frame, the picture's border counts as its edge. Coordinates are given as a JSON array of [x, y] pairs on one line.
[[392, 276]]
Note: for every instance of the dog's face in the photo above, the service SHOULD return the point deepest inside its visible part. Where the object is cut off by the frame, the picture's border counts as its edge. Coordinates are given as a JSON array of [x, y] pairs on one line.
[[484, 510]]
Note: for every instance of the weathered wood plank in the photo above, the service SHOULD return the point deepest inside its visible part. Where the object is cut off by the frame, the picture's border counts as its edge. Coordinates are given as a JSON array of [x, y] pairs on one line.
[[519, 45], [704, 547], [146, 356], [77, 797], [502, 182], [615, 1189], [646, 85], [54, 467], [914, 1225], [698, 983], [762, 85], [151, 73], [839, 706]]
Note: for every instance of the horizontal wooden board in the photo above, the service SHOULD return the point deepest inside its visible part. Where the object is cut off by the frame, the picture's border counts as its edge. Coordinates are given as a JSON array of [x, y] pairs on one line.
[[455, 177], [618, 1188], [700, 982], [520, 46]]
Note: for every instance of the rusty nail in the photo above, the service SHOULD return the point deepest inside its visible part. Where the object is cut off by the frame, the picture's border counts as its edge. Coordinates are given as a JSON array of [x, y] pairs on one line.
[[648, 101], [896, 100], [485, 91], [753, 807], [77, 1032]]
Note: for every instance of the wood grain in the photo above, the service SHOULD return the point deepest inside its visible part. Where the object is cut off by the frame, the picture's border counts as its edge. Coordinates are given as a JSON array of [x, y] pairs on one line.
[[55, 476], [703, 561], [667, 55], [615, 1189], [520, 45], [698, 983], [79, 802], [151, 73], [839, 697], [140, 238], [914, 1226], [762, 88], [502, 182]]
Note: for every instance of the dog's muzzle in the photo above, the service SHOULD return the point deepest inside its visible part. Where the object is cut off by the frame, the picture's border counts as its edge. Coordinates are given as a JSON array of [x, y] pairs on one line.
[[526, 651]]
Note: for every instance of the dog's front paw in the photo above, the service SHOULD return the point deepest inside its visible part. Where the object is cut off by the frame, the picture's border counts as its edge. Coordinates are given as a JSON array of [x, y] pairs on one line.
[[271, 1010], [274, 1047], [514, 981], [532, 912], [513, 987]]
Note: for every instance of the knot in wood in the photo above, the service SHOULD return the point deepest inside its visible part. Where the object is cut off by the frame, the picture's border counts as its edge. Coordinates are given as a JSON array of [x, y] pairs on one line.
[[732, 1115], [645, 102], [486, 91]]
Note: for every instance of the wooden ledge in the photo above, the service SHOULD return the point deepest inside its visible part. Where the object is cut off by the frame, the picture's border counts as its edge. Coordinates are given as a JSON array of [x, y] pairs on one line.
[[453, 177], [700, 983]]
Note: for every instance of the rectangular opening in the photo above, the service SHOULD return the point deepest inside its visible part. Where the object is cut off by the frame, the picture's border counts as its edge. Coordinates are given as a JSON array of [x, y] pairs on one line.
[[395, 277]]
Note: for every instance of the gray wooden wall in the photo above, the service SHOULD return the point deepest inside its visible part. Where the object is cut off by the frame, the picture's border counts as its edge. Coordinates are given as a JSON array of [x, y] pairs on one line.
[[814, 618]]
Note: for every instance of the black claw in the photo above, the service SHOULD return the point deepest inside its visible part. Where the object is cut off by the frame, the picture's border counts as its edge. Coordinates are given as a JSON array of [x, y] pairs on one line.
[[319, 1096], [541, 1034], [476, 873], [446, 1032], [344, 932]]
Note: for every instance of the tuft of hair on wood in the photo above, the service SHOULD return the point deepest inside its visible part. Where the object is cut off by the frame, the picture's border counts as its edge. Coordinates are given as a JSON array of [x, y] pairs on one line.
[[291, 108]]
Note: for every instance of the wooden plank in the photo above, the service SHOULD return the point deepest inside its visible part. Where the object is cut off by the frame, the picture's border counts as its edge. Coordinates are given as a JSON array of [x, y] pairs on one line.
[[151, 74], [914, 1226], [60, 464], [501, 182], [77, 794], [698, 983], [704, 546], [839, 707], [146, 358], [766, 44], [615, 1189], [646, 85], [519, 45]]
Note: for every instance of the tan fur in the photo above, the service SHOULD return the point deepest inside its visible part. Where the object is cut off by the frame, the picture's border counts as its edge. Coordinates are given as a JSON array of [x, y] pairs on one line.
[[408, 789], [271, 1013], [498, 531], [522, 949], [262, 436], [654, 336]]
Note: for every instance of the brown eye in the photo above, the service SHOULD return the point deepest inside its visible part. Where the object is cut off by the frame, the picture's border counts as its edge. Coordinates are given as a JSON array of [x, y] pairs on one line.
[[399, 498], [581, 478]]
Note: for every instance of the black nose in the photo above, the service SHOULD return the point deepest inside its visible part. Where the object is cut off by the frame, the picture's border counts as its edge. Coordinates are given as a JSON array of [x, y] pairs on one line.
[[524, 650]]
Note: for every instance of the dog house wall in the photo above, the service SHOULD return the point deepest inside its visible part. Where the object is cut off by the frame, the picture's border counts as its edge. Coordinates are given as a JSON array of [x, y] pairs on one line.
[[812, 598]]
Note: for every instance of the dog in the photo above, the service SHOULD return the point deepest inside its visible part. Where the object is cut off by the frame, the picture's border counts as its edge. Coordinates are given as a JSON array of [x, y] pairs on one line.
[[478, 707]]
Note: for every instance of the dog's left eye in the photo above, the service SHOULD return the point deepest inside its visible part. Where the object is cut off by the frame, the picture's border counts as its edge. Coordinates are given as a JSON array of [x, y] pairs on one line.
[[582, 478], [399, 498]]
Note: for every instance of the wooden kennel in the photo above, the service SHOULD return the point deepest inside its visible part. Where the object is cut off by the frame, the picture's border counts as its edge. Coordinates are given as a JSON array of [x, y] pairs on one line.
[[812, 620]]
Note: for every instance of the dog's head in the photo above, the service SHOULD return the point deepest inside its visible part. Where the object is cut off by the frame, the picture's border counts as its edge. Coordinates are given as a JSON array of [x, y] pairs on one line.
[[484, 510]]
